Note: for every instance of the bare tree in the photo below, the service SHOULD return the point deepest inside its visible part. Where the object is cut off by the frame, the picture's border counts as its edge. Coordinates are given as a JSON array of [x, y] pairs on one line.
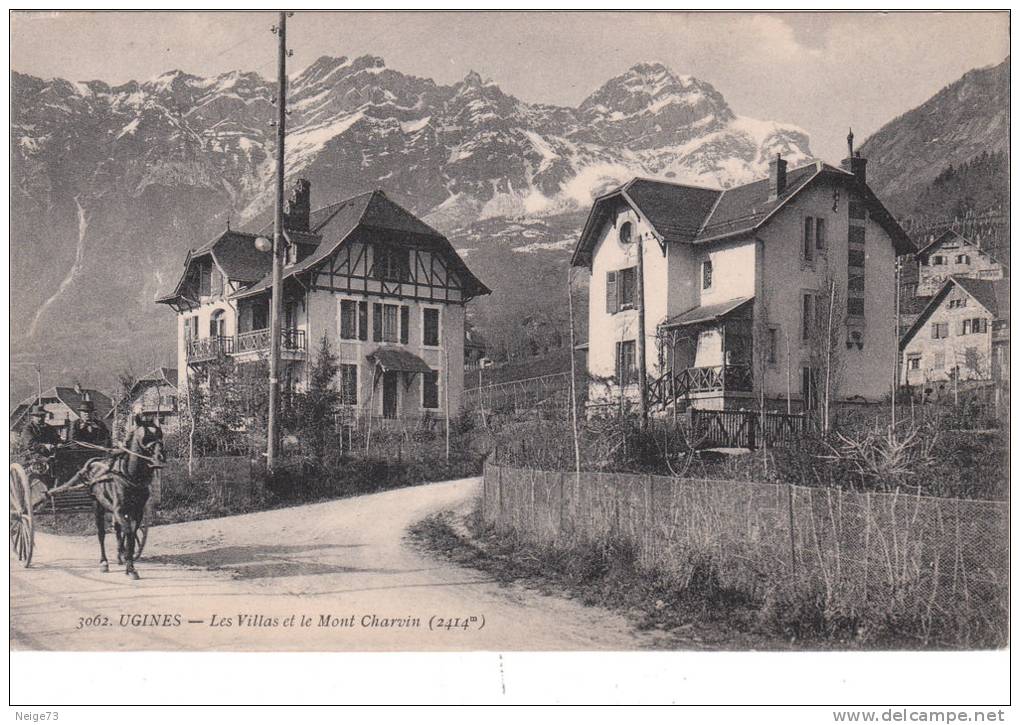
[[827, 342]]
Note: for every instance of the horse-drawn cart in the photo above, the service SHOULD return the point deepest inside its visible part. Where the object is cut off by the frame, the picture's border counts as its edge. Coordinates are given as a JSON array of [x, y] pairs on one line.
[[42, 487]]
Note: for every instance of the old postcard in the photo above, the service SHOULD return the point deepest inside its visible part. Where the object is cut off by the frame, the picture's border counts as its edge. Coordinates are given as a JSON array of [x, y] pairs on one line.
[[517, 331]]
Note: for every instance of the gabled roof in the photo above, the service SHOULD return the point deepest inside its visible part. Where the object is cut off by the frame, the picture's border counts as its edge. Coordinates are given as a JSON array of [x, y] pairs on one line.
[[991, 294], [694, 214], [234, 253], [371, 210], [995, 255], [69, 396]]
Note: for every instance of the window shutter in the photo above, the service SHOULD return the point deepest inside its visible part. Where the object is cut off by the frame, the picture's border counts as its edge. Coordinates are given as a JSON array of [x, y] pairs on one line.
[[612, 303], [362, 320], [405, 323], [376, 322]]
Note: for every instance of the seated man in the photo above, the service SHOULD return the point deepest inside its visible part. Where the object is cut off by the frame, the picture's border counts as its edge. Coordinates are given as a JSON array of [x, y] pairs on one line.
[[39, 440], [88, 428]]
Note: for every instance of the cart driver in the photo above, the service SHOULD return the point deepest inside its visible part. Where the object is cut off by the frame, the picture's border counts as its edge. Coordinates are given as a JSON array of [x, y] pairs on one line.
[[39, 440]]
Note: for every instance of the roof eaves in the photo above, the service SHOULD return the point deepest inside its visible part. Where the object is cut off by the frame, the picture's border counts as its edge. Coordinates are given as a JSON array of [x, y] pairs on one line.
[[922, 318]]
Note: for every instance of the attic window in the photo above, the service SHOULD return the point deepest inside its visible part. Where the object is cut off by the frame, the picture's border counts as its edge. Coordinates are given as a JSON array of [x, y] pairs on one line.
[[390, 263], [626, 233]]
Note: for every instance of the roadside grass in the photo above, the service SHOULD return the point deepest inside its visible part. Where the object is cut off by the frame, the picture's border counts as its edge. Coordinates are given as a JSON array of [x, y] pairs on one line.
[[697, 614]]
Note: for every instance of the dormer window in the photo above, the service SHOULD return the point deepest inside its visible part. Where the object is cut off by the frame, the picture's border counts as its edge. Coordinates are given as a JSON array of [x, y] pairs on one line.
[[390, 263]]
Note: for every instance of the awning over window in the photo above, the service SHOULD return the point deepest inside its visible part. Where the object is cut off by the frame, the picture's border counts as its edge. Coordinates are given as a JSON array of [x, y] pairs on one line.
[[708, 313], [395, 359]]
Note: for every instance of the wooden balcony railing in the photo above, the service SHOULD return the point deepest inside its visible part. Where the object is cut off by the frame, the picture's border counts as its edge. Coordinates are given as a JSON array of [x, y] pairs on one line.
[[208, 348], [668, 388], [291, 340]]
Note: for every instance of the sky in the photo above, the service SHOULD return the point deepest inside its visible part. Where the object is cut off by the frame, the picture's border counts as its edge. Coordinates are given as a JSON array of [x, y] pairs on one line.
[[823, 72]]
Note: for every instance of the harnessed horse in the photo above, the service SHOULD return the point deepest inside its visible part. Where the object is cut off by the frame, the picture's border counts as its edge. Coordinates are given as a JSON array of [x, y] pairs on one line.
[[120, 485]]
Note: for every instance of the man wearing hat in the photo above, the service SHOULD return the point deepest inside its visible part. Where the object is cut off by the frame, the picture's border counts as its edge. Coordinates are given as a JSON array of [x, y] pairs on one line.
[[88, 428], [38, 439]]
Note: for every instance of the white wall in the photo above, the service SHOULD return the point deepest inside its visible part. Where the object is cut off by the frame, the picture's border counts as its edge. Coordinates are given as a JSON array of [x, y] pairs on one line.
[[867, 372], [606, 329]]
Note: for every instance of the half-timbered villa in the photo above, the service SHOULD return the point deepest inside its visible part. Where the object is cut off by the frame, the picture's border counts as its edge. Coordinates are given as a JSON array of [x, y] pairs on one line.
[[730, 272], [387, 290]]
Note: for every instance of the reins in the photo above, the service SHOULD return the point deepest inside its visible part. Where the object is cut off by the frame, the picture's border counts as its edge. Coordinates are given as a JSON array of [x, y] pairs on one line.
[[119, 449]]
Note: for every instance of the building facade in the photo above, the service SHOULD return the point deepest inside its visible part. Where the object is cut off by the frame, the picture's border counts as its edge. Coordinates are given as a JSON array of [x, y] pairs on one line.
[[155, 396], [386, 290], [951, 254], [736, 289], [962, 334]]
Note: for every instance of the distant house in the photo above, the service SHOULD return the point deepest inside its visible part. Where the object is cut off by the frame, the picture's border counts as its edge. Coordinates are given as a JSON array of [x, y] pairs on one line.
[[387, 291], [951, 254], [62, 404], [731, 272], [963, 333], [155, 393]]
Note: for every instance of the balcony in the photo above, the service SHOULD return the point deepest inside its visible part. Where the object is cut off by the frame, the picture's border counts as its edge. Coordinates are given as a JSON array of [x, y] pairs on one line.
[[209, 348], [292, 345], [717, 378]]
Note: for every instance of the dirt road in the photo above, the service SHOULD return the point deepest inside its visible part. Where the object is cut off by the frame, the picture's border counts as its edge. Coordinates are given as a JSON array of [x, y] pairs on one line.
[[331, 576]]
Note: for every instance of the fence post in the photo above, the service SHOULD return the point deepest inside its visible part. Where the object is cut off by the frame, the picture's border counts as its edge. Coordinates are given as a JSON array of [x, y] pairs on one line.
[[563, 502], [793, 545], [499, 493], [649, 532]]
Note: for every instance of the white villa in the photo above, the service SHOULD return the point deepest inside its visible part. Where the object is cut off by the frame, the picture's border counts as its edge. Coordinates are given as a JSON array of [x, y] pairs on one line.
[[730, 272]]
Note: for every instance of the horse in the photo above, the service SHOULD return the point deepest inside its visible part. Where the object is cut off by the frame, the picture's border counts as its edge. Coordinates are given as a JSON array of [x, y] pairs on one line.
[[120, 484]]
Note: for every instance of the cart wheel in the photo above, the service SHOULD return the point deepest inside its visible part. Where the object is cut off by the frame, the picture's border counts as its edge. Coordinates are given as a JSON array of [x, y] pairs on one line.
[[141, 536], [22, 528]]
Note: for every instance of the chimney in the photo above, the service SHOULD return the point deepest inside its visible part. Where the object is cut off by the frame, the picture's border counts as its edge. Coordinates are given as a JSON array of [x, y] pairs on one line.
[[299, 207], [853, 162], [777, 177]]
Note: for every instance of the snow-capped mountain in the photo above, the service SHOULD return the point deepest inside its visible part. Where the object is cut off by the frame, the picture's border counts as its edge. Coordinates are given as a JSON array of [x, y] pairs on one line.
[[112, 184]]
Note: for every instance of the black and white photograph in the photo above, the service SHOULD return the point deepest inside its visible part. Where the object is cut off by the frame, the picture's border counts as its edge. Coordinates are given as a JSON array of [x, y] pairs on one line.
[[514, 332]]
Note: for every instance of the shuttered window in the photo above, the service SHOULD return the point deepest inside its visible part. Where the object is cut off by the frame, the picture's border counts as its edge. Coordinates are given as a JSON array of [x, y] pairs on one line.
[[348, 320], [626, 362], [430, 326], [362, 320], [612, 303], [809, 238], [405, 323], [377, 322]]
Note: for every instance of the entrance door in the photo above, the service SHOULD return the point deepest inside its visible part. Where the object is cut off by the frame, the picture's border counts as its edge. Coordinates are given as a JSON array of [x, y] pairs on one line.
[[389, 394]]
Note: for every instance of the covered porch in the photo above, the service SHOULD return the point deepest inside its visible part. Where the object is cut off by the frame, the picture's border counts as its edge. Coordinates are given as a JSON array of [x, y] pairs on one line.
[[705, 355]]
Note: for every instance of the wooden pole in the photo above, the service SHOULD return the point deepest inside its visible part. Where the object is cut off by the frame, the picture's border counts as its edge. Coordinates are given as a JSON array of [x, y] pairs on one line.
[[896, 359], [446, 399], [642, 371], [278, 249], [789, 373], [573, 394]]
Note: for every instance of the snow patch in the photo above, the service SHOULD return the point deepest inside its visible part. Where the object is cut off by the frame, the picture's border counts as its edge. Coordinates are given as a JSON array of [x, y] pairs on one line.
[[130, 129], [415, 126]]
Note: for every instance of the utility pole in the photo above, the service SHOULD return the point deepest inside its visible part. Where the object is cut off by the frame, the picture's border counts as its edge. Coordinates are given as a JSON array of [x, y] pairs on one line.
[[642, 371], [278, 250]]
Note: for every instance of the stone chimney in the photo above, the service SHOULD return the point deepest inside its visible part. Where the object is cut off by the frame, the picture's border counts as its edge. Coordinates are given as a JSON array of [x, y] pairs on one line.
[[299, 207], [853, 162], [777, 177]]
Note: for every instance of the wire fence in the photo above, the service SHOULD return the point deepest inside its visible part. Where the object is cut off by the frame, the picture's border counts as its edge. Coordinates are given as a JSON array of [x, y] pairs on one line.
[[936, 570]]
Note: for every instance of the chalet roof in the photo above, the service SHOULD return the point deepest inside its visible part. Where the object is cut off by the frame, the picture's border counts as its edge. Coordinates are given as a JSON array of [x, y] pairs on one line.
[[1000, 255], [706, 313], [399, 360], [992, 294], [69, 396], [694, 214], [371, 210]]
